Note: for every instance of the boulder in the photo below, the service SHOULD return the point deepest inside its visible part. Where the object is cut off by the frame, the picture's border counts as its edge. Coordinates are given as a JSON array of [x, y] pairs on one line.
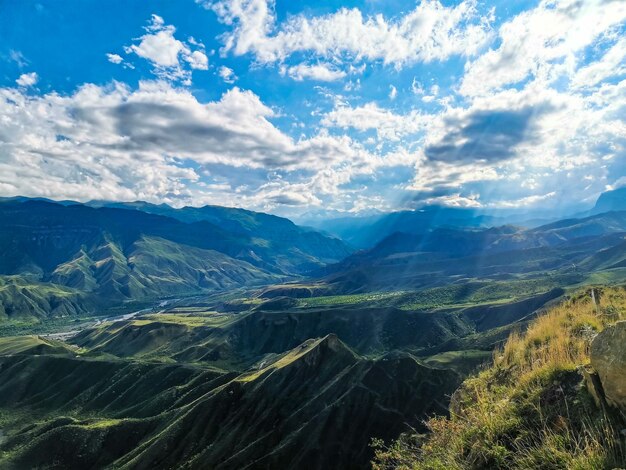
[[608, 358]]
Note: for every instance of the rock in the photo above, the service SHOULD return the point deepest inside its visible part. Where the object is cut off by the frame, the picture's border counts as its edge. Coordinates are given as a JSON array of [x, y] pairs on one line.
[[608, 358], [594, 385]]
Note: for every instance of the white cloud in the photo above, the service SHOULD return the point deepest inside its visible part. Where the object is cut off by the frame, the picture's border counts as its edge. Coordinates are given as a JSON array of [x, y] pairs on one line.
[[18, 58], [318, 72], [161, 48], [198, 60], [611, 64], [284, 193], [370, 116], [166, 53], [227, 74], [535, 138], [525, 201], [454, 200], [543, 42], [116, 143], [527, 116], [416, 87], [442, 175], [430, 32], [27, 79], [115, 58]]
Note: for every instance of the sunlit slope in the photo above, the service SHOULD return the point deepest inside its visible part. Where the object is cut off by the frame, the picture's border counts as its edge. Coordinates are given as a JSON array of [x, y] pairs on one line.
[[25, 298], [572, 250], [237, 340], [43, 235], [290, 241], [154, 267]]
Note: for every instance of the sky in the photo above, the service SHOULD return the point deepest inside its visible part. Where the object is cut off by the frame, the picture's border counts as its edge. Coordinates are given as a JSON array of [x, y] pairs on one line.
[[314, 109]]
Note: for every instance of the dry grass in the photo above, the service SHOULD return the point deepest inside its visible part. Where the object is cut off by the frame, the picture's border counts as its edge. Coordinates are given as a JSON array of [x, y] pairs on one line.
[[562, 336], [529, 410]]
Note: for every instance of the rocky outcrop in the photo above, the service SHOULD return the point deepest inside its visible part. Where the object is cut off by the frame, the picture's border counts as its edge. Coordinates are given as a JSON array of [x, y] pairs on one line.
[[608, 358]]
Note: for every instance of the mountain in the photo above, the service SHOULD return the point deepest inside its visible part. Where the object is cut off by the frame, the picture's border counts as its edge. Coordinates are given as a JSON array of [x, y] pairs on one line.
[[364, 232], [608, 201], [25, 298], [264, 356], [108, 255], [444, 255], [278, 232], [315, 406]]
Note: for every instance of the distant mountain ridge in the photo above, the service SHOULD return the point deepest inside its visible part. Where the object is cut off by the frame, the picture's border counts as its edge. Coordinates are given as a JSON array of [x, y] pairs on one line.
[[614, 200], [367, 231], [409, 260], [114, 254]]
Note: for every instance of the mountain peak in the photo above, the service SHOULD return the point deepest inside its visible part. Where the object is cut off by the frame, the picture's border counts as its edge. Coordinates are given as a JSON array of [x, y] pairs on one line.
[[614, 200]]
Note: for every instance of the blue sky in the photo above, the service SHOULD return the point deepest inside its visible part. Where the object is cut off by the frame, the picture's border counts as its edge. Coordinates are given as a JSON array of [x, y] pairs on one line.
[[314, 109]]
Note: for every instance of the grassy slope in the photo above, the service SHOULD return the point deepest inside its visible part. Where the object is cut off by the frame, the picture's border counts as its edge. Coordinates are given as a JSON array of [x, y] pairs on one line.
[[22, 298], [92, 413], [32, 345], [233, 341], [153, 267], [530, 408], [469, 293]]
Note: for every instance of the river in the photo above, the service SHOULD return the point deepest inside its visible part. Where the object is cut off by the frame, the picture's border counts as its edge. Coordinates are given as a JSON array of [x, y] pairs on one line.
[[63, 335]]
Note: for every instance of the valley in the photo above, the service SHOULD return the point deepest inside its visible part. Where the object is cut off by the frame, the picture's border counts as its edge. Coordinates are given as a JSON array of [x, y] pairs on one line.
[[164, 343]]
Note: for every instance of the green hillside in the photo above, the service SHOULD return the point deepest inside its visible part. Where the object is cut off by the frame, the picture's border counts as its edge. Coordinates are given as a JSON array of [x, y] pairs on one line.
[[239, 380], [22, 298], [63, 260], [320, 395], [139, 336]]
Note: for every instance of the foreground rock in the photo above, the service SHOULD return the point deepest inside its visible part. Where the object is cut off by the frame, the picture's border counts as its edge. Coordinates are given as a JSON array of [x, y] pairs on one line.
[[608, 358]]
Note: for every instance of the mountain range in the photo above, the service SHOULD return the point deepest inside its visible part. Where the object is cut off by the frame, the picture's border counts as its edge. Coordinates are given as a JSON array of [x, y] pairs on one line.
[[135, 335], [364, 232], [108, 255]]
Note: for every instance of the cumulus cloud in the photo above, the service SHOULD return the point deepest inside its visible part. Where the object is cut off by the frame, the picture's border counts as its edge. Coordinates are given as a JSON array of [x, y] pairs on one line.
[[27, 79], [388, 125], [454, 200], [287, 194], [429, 32], [113, 142], [437, 176], [114, 58], [533, 139], [227, 74], [167, 54], [318, 72], [197, 60], [542, 110], [485, 135], [525, 201]]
